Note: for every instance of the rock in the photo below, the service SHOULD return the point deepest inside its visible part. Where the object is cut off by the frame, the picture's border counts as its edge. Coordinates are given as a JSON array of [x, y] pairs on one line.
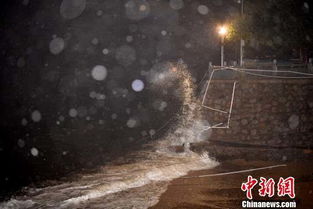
[[244, 122], [293, 121], [253, 132]]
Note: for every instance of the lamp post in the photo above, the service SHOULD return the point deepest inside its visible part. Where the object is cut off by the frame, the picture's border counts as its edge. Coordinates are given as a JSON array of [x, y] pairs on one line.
[[222, 31], [241, 39]]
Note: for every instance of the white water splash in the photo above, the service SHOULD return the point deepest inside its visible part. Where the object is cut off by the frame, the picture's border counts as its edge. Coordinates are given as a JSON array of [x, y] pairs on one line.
[[138, 184], [191, 126]]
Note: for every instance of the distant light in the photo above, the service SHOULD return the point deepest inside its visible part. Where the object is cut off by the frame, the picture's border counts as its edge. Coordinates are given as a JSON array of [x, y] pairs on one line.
[[222, 30]]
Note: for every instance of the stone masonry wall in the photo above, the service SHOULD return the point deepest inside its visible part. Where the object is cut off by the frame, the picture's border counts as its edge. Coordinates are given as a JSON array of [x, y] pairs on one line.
[[266, 112]]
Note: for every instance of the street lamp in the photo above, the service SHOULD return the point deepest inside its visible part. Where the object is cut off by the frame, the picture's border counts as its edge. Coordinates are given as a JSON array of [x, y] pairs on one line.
[[222, 31]]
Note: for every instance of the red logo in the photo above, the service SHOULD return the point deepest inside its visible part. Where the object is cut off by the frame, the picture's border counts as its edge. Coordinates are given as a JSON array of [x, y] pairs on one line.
[[286, 187], [267, 187], [248, 186]]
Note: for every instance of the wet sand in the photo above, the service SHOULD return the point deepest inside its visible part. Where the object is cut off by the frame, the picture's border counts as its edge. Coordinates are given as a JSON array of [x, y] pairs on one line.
[[223, 192]]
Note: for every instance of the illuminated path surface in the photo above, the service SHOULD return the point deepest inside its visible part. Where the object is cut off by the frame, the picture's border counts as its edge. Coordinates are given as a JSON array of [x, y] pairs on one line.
[[224, 191]]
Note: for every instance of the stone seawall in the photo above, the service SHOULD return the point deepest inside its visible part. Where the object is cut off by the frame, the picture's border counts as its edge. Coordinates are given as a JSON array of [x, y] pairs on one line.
[[275, 113]]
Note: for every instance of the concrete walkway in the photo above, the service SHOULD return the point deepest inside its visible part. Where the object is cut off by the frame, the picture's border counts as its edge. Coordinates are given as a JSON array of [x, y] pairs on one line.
[[222, 192]]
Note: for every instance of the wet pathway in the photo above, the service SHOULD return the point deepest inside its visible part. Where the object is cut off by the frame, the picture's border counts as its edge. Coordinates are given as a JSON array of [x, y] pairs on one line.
[[222, 192]]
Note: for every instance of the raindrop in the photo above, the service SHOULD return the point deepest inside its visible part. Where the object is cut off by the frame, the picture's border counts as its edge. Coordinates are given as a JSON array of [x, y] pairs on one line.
[[92, 110], [131, 123], [61, 118], [21, 143], [114, 116], [25, 2], [218, 2], [73, 113], [71, 9], [21, 62], [34, 151], [137, 9], [125, 55], [99, 73], [152, 132], [293, 121], [188, 45], [95, 41], [99, 12], [137, 85], [176, 4], [163, 32], [92, 94], [82, 111], [56, 45], [129, 39], [100, 96], [163, 105], [24, 122], [36, 116], [202, 9], [133, 28], [105, 51]]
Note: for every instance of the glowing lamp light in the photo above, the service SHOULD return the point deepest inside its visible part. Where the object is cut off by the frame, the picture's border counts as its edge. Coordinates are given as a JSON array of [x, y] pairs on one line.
[[222, 30]]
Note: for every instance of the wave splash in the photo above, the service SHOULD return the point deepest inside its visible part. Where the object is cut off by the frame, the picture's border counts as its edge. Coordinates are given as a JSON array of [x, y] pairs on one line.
[[138, 184]]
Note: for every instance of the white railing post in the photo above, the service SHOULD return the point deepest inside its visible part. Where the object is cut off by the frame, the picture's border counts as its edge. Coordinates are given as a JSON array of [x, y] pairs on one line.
[[310, 67], [210, 66], [275, 65], [210, 69]]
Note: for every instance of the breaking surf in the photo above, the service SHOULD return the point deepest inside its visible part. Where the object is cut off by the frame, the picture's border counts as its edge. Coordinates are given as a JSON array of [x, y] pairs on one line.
[[138, 183]]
